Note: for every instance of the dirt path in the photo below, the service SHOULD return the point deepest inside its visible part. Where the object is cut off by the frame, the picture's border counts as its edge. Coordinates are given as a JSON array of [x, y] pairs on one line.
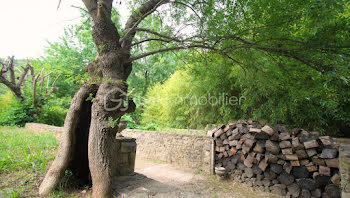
[[152, 179]]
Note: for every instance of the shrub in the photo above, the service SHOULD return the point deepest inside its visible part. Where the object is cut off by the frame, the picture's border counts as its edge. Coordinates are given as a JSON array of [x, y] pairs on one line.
[[17, 113]]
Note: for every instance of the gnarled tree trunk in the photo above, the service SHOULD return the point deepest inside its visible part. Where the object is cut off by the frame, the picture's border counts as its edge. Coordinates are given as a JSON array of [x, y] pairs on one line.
[[72, 151], [88, 143]]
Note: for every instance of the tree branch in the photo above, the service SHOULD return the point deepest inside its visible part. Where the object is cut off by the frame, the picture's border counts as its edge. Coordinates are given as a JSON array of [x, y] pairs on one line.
[[23, 75], [157, 34], [169, 49], [91, 5], [151, 39], [137, 17]]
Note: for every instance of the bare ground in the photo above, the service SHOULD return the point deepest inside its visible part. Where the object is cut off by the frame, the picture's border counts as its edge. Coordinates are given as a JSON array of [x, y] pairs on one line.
[[158, 180]]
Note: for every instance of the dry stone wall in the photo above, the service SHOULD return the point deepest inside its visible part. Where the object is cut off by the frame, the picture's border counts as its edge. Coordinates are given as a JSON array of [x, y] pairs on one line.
[[189, 151], [292, 163]]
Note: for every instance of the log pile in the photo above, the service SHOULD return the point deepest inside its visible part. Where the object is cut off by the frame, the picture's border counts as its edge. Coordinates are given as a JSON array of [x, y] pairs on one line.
[[292, 163]]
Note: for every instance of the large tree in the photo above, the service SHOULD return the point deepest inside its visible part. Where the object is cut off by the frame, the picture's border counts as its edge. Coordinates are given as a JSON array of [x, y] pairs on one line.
[[234, 29]]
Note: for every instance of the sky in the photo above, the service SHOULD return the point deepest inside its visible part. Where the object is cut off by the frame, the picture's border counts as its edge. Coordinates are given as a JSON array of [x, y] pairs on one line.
[[26, 26]]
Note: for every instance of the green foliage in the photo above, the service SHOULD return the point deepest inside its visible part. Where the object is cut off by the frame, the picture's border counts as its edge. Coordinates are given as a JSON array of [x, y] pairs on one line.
[[295, 96], [131, 124], [5, 101], [192, 97], [21, 149], [54, 111], [15, 111]]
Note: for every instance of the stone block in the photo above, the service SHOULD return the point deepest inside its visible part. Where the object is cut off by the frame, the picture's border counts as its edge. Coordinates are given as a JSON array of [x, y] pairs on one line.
[[272, 147], [329, 153], [267, 129], [311, 144]]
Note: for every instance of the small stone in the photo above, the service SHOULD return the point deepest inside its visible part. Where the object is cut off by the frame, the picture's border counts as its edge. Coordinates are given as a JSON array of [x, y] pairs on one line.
[[245, 149], [272, 147], [270, 175], [267, 129], [291, 157], [311, 152], [335, 179], [322, 180], [225, 142], [254, 130], [241, 166], [258, 148], [263, 164], [218, 133], [294, 189], [261, 136], [223, 136], [326, 140], [295, 163], [305, 193], [235, 135], [307, 184], [275, 137], [300, 172], [234, 151], [233, 142], [284, 136], [306, 136], [329, 153], [219, 143], [332, 163], [324, 170], [286, 178], [318, 161], [324, 195], [287, 151], [311, 144], [259, 177], [285, 144], [249, 172], [256, 169], [311, 168], [249, 142], [304, 162], [333, 191], [296, 144], [287, 167], [249, 161], [271, 158], [266, 182], [276, 168], [316, 193], [278, 190], [275, 181], [301, 154], [281, 162]]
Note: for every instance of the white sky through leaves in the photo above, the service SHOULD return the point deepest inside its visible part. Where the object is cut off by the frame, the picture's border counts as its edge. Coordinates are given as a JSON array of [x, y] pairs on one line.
[[26, 26]]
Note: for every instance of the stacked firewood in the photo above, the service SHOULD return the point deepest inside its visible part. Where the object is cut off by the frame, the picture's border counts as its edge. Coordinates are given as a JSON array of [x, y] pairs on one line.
[[292, 163]]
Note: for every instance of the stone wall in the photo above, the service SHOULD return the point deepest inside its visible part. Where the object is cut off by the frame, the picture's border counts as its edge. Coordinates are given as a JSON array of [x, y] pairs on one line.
[[40, 128], [344, 166], [287, 162], [189, 151], [126, 155]]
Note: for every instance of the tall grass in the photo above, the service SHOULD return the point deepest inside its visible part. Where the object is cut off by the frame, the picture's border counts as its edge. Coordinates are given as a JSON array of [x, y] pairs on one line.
[[24, 158], [21, 149]]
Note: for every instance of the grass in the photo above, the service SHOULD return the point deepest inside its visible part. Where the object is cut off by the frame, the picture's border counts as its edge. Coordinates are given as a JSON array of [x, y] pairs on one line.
[[24, 159]]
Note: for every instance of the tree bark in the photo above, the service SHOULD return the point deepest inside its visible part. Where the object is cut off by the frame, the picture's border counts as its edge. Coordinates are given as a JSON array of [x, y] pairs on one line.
[[97, 144], [76, 126]]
